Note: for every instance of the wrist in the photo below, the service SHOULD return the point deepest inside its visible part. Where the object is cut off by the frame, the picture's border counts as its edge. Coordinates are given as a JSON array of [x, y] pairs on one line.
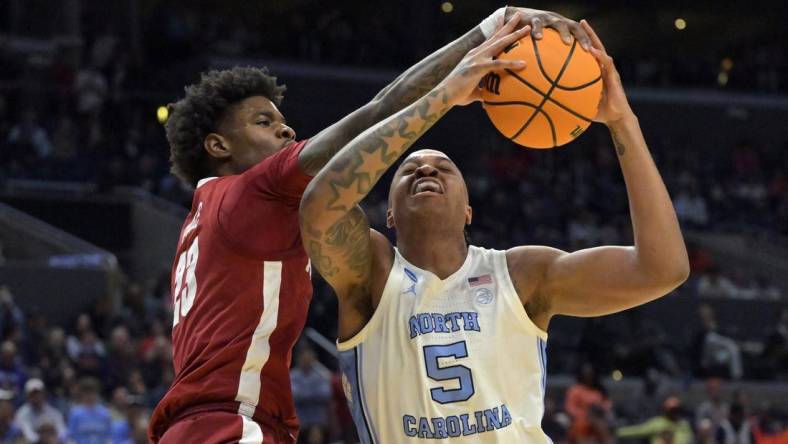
[[627, 119], [491, 23]]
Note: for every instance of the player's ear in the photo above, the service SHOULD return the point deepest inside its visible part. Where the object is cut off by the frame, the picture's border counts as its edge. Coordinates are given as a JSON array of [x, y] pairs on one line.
[[216, 146], [468, 214], [389, 218]]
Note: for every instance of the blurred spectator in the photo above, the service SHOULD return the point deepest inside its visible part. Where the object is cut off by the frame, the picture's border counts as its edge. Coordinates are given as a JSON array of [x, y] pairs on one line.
[[647, 347], [9, 432], [311, 389], [12, 372], [11, 317], [91, 89], [668, 428], [120, 357], [736, 428], [129, 411], [89, 421], [595, 429], [713, 409], [715, 285], [37, 413], [27, 140], [585, 393], [86, 350], [691, 207], [717, 355]]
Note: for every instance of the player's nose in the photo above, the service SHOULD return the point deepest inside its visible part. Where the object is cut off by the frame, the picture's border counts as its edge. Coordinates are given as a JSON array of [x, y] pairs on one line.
[[285, 132], [425, 170]]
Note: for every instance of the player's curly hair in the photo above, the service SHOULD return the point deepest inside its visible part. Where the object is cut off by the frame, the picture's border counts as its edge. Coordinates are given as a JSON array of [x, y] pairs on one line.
[[201, 110]]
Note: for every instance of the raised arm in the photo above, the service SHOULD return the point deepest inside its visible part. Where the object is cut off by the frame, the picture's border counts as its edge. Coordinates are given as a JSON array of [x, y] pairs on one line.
[[334, 229], [609, 279], [420, 79]]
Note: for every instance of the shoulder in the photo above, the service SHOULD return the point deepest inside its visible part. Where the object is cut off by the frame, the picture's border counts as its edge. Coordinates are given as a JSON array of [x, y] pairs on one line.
[[528, 266]]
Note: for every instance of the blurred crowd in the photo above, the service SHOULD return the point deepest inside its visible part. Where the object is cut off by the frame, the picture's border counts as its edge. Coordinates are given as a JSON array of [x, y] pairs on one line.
[[719, 415], [92, 382]]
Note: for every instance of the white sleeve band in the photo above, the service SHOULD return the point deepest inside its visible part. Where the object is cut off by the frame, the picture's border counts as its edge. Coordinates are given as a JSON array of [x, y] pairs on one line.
[[490, 24]]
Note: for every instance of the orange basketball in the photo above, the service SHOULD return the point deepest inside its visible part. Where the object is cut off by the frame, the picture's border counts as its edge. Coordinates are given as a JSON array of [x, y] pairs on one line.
[[552, 100]]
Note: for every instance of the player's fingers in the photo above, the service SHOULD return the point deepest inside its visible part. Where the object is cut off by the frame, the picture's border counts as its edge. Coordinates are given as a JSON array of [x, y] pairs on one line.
[[500, 65], [603, 58], [506, 28], [606, 64], [595, 41], [500, 32], [580, 35], [499, 45], [537, 23], [563, 29]]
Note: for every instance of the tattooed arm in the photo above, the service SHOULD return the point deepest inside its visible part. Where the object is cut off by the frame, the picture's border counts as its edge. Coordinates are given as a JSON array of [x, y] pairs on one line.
[[334, 229], [608, 279], [416, 82]]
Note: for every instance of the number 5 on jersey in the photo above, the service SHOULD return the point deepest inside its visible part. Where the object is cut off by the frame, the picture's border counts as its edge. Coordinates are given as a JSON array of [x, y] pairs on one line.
[[185, 282], [460, 373]]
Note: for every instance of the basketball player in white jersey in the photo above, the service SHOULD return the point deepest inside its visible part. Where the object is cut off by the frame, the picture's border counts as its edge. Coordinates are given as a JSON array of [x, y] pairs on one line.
[[442, 341]]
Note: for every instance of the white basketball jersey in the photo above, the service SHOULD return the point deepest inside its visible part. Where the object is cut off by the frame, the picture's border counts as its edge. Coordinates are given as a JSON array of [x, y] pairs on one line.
[[454, 360]]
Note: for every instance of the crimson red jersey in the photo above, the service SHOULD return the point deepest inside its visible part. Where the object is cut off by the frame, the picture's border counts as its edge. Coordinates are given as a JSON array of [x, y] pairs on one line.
[[241, 288]]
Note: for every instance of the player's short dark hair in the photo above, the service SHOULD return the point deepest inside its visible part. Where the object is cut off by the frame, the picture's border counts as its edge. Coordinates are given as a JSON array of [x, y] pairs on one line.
[[201, 110]]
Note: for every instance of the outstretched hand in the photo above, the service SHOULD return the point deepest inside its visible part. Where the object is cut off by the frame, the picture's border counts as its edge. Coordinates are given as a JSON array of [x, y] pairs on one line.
[[613, 105], [539, 19], [462, 83]]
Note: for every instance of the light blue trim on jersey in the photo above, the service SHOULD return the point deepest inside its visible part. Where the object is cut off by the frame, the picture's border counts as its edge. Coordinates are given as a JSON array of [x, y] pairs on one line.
[[350, 364], [362, 396], [541, 347]]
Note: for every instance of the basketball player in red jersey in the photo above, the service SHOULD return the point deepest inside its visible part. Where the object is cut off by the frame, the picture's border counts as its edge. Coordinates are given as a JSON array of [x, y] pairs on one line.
[[241, 279]]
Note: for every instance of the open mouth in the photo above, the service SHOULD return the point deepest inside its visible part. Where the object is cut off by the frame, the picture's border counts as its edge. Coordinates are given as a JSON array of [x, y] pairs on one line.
[[426, 186]]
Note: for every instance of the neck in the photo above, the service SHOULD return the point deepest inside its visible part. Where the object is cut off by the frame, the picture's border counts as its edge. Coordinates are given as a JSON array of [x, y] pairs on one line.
[[224, 169], [438, 252]]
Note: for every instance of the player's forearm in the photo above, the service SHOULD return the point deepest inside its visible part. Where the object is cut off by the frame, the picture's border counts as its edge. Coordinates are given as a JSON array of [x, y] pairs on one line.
[[350, 175], [659, 244]]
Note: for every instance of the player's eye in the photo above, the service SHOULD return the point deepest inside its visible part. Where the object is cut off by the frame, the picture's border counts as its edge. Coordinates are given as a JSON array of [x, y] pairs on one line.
[[265, 122], [407, 171], [444, 169]]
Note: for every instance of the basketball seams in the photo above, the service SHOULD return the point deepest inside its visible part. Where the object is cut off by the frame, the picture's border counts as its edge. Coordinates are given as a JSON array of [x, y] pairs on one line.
[[536, 111], [561, 105], [579, 87], [555, 83], [541, 67], [546, 96]]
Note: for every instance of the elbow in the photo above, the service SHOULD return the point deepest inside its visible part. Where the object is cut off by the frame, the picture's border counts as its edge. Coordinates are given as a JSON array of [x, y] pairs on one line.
[[676, 272], [379, 109], [682, 266], [684, 272]]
